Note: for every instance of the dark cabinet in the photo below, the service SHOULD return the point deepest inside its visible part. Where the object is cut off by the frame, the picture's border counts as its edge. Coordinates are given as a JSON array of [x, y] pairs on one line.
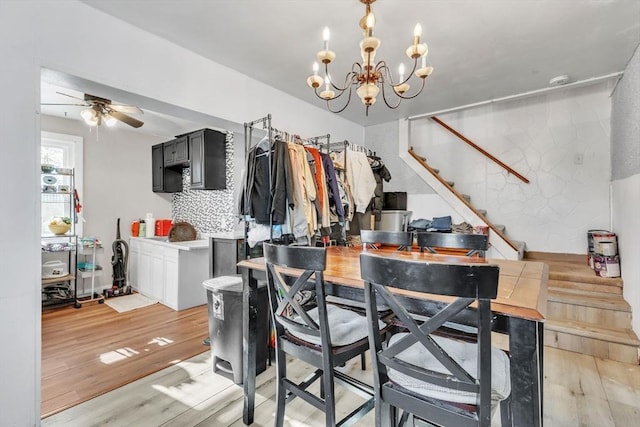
[[207, 149], [164, 179], [203, 150], [176, 152]]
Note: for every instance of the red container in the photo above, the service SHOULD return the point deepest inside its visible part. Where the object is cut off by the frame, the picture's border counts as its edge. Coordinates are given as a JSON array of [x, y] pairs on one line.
[[162, 227]]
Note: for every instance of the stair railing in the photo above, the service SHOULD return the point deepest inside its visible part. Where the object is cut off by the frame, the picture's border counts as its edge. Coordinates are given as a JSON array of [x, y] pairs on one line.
[[480, 149]]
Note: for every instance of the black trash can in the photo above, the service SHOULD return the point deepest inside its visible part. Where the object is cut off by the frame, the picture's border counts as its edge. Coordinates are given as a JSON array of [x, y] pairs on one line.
[[224, 297]]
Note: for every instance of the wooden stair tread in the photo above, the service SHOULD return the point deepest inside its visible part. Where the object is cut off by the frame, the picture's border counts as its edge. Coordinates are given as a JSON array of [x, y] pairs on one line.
[[571, 268], [612, 288], [596, 332], [588, 299]]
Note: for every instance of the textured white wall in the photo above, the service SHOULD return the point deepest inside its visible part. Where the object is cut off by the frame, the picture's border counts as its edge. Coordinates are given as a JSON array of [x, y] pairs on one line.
[[625, 188], [539, 137]]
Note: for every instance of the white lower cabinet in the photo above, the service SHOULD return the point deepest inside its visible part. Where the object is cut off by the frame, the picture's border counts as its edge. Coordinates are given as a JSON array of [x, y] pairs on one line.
[[168, 272]]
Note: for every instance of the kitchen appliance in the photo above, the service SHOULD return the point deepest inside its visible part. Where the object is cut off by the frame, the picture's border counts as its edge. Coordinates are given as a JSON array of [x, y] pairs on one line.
[[162, 227]]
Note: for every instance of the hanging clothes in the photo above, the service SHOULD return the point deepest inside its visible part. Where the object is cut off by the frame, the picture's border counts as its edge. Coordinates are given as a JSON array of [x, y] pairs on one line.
[[380, 173], [360, 179], [267, 203], [303, 216], [322, 199], [334, 197]]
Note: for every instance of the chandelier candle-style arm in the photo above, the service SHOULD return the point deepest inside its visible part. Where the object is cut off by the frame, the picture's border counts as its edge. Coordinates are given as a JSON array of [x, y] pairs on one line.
[[369, 77]]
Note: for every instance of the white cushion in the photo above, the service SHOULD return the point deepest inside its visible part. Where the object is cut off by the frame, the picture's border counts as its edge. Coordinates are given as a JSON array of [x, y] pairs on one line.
[[466, 355], [345, 326]]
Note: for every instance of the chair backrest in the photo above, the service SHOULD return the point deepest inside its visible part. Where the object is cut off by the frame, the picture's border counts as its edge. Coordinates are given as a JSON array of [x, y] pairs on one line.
[[473, 243], [286, 309], [423, 316], [402, 239]]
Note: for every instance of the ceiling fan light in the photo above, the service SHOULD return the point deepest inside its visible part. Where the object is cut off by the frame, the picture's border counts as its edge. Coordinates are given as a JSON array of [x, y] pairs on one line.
[[110, 121], [88, 115]]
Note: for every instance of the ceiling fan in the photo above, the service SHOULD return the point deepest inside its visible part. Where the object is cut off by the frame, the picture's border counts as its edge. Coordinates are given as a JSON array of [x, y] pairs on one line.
[[101, 110]]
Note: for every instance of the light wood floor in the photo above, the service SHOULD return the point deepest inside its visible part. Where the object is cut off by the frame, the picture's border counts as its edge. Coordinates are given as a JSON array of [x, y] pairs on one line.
[[89, 351], [579, 391]]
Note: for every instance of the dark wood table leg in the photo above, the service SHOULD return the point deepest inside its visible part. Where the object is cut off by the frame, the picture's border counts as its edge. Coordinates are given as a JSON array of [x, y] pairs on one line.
[[249, 340], [526, 348]]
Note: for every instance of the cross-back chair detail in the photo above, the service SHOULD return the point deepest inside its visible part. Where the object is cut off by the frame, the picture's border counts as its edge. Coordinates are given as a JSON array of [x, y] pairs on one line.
[[317, 333], [402, 239], [420, 373], [473, 243]]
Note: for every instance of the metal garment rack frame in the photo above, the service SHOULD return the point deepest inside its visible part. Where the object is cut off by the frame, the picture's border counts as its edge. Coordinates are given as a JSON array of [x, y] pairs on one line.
[[248, 138]]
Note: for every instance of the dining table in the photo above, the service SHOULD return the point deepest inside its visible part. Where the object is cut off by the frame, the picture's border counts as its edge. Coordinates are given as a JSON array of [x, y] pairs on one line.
[[518, 312]]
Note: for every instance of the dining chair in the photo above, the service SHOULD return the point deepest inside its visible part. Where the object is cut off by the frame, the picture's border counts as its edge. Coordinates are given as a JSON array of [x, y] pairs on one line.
[[320, 334], [419, 373], [474, 244], [403, 240]]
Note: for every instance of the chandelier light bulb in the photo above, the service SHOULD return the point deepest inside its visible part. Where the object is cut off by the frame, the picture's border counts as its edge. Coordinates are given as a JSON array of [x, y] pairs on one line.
[[423, 63], [401, 71], [417, 32], [326, 34], [316, 67]]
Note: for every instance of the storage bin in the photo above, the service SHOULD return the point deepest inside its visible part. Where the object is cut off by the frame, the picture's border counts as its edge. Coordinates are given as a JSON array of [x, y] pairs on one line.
[[53, 269], [394, 220]]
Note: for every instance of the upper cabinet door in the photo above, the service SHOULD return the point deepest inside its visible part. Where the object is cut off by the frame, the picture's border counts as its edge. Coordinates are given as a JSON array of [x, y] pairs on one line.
[[157, 168], [208, 160], [176, 152], [196, 146]]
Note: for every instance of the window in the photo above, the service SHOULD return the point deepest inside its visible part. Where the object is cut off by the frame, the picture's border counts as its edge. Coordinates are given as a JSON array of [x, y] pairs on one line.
[[62, 151]]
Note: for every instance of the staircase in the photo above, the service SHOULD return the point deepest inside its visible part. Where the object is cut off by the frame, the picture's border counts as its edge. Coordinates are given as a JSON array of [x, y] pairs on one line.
[[586, 313], [507, 248]]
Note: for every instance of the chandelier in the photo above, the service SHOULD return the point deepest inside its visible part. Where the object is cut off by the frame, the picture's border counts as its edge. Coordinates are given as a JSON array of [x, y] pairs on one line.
[[368, 77]]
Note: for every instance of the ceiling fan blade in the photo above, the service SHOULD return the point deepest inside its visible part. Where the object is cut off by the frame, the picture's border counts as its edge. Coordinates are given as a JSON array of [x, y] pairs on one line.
[[125, 118], [70, 96], [79, 105], [127, 108]]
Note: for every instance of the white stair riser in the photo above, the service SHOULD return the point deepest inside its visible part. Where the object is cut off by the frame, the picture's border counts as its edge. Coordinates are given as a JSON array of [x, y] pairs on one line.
[[603, 349], [594, 315]]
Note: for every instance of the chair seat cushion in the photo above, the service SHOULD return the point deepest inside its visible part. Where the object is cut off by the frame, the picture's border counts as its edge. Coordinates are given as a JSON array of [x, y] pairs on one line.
[[345, 326], [466, 355]]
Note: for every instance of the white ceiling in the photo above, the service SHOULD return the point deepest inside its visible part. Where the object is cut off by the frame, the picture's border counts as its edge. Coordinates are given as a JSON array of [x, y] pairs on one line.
[[480, 49]]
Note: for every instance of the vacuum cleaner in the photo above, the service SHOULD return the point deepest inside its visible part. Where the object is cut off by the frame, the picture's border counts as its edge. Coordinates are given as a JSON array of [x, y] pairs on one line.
[[119, 261]]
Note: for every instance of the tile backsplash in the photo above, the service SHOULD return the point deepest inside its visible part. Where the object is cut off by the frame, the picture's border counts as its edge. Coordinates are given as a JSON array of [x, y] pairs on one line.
[[209, 211]]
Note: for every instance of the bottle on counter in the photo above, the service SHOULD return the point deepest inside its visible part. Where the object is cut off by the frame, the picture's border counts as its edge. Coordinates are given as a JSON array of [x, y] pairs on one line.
[[135, 228], [142, 232], [150, 222]]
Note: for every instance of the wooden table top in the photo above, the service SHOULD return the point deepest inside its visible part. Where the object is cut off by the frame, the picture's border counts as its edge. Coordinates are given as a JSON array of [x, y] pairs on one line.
[[522, 285]]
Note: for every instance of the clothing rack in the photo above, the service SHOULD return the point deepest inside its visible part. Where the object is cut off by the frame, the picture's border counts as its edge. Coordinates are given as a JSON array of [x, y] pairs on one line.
[[271, 133]]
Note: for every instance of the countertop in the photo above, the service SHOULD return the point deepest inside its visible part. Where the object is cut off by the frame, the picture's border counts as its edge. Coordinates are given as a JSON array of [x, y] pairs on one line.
[[229, 235], [184, 246]]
